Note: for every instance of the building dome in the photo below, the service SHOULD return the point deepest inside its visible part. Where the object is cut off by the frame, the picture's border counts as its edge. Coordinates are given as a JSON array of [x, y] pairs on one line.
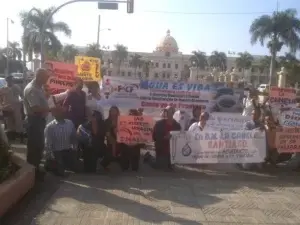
[[168, 44]]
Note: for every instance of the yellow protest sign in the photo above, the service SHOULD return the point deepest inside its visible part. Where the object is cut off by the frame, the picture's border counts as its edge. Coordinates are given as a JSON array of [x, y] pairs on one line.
[[89, 68]]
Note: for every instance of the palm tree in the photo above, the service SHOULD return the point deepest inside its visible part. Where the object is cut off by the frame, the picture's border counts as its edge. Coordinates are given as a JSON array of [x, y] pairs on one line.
[[93, 50], [136, 61], [69, 52], [218, 60], [281, 28], [199, 59], [33, 23], [244, 61], [16, 52], [120, 54]]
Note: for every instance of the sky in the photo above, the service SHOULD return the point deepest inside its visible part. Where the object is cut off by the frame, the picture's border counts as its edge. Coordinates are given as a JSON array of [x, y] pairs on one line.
[[204, 25]]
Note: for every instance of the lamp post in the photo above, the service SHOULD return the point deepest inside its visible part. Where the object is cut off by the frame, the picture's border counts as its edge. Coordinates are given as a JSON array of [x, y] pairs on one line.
[[55, 11]]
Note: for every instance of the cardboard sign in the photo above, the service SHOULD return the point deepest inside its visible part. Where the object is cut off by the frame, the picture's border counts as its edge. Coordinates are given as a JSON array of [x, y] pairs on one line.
[[135, 129]]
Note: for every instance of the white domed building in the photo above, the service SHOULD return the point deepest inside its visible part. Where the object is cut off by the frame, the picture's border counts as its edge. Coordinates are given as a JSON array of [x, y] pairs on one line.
[[168, 63]]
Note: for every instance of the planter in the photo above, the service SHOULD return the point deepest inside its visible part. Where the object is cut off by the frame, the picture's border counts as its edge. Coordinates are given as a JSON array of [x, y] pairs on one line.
[[14, 188]]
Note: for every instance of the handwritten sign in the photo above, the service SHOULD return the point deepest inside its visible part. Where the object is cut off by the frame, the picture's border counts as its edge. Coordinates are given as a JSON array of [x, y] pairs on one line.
[[288, 139], [218, 147], [134, 129], [62, 76], [227, 121], [89, 68], [291, 118], [282, 97]]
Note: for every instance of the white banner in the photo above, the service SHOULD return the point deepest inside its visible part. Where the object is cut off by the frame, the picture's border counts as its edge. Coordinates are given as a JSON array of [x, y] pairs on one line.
[[227, 121], [218, 147], [133, 93]]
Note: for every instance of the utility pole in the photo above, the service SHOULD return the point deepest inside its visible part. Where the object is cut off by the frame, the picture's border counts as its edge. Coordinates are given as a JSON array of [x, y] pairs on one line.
[[7, 46], [98, 32]]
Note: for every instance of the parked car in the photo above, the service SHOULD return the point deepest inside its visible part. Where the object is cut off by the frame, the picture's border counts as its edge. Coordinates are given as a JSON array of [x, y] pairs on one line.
[[263, 88]]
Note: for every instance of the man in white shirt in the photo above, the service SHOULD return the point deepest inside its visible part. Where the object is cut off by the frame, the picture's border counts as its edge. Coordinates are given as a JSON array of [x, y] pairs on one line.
[[201, 125]]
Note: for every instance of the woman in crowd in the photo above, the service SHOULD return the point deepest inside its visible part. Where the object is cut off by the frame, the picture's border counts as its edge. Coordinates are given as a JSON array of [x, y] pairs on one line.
[[196, 115], [130, 154], [113, 148], [161, 137], [94, 98], [94, 148]]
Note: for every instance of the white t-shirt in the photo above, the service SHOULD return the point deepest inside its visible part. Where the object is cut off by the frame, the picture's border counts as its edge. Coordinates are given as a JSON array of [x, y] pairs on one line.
[[94, 104], [196, 128], [183, 118]]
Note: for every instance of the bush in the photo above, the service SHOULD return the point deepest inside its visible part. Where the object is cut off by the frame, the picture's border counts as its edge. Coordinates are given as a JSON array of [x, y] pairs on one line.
[[7, 167]]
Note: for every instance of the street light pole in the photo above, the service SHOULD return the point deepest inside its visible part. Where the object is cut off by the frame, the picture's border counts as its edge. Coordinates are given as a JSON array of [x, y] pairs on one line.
[[98, 31], [55, 11], [7, 46]]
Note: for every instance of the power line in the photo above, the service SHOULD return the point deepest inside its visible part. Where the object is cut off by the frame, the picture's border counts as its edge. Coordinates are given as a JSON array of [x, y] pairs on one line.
[[207, 13]]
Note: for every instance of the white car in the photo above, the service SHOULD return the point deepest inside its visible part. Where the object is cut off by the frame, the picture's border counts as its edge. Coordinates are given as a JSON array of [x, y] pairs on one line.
[[263, 88]]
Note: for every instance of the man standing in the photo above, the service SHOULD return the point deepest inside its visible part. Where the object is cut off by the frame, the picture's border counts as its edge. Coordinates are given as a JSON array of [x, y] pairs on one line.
[[75, 103], [12, 108], [36, 110]]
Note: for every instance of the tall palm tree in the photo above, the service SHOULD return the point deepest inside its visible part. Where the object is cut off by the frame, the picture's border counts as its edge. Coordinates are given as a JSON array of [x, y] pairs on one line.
[[120, 54], [33, 23], [218, 60], [93, 50], [69, 52], [280, 28], [244, 61], [199, 59], [136, 61], [16, 52]]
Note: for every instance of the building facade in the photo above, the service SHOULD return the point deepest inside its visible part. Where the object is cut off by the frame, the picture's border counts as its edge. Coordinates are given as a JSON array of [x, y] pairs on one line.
[[168, 63]]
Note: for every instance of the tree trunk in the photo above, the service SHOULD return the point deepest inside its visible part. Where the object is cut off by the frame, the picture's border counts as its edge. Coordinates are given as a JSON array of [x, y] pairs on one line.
[[272, 75]]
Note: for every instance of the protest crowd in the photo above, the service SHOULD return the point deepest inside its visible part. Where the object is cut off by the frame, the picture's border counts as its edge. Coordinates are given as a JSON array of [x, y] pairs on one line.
[[70, 126]]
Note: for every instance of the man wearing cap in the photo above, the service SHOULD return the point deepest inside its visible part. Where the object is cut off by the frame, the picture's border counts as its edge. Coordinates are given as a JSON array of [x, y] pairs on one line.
[[36, 110]]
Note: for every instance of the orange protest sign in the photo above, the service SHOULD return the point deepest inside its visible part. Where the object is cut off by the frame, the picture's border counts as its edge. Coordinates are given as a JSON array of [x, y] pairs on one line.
[[62, 76], [134, 129]]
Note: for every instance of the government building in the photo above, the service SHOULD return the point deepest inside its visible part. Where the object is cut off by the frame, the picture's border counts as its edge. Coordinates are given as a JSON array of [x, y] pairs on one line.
[[168, 63]]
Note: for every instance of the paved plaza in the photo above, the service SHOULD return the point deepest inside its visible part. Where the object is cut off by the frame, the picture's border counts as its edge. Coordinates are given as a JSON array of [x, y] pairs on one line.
[[210, 195], [131, 200]]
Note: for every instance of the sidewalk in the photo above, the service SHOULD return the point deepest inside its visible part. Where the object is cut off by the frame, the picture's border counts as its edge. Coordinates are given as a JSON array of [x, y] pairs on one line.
[[214, 195], [130, 200]]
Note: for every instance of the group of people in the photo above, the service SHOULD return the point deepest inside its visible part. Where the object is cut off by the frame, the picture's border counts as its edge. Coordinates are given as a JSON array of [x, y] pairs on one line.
[[78, 130]]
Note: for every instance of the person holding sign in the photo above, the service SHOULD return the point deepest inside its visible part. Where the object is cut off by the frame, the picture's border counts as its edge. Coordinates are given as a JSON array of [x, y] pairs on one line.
[[130, 153], [94, 98], [253, 124], [196, 115], [201, 125], [161, 137], [113, 148]]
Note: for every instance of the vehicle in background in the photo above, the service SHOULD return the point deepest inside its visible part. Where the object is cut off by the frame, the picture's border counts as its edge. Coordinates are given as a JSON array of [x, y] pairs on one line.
[[2, 82], [264, 88]]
